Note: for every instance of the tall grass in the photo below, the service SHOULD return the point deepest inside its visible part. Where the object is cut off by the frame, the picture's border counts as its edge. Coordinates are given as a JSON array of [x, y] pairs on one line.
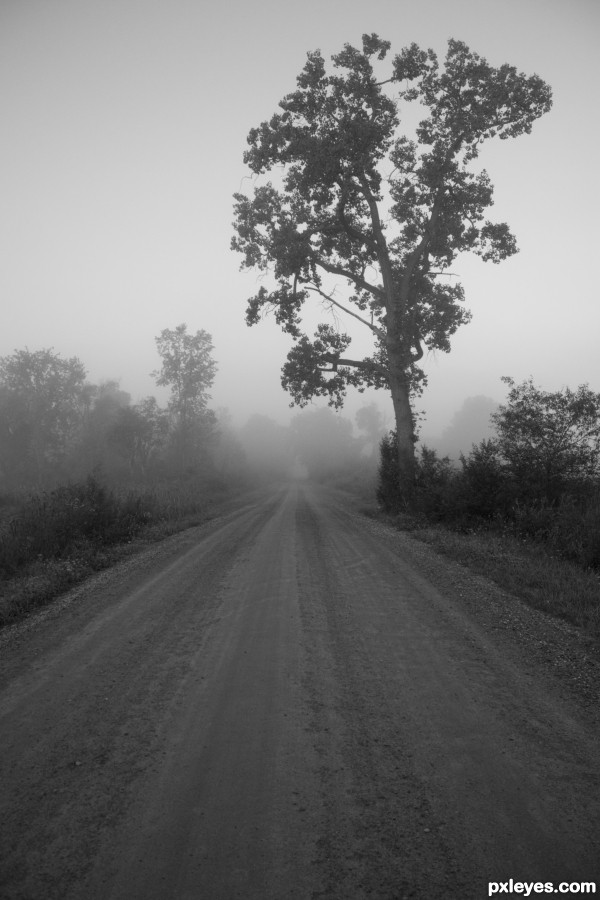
[[54, 539], [53, 525]]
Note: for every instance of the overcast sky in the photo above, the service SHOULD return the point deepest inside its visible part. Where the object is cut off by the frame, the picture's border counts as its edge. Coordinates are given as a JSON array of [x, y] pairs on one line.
[[123, 128]]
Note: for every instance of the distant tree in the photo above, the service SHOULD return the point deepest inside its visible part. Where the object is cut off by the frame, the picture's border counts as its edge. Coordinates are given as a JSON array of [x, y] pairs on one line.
[[139, 436], [323, 442], [189, 370], [228, 454], [360, 203], [550, 439], [42, 398], [267, 448], [104, 404], [469, 425], [369, 419]]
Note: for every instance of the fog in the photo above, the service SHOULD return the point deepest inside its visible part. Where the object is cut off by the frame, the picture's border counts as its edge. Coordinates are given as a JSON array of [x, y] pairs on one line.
[[125, 125]]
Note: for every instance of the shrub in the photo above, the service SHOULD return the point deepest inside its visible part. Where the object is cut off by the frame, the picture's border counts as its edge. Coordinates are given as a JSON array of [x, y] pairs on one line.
[[434, 494], [487, 488], [569, 529], [437, 492], [487, 493]]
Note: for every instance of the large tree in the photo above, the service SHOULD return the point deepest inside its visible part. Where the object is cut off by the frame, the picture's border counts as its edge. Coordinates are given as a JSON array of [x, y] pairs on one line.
[[358, 202]]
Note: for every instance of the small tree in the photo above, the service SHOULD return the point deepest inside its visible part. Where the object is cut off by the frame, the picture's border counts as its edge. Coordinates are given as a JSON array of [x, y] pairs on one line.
[[360, 203], [189, 370], [550, 440], [369, 419]]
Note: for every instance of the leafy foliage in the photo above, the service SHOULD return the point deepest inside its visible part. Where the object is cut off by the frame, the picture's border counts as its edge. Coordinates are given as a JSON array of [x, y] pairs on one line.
[[550, 440]]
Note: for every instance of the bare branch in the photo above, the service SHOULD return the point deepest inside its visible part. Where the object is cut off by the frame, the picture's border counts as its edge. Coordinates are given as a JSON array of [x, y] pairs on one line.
[[358, 280], [378, 331], [366, 364]]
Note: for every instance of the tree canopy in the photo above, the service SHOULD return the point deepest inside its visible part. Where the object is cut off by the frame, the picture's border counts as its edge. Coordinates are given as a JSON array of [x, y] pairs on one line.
[[360, 205]]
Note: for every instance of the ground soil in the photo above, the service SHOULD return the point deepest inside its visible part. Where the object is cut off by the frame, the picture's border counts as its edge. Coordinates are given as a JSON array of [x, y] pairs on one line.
[[294, 701]]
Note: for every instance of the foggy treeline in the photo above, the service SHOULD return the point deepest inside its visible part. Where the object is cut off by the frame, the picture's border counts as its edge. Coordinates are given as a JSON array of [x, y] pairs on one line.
[[57, 427], [85, 470]]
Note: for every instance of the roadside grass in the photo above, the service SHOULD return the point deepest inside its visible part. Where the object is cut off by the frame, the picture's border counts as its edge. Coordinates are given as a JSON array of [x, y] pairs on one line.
[[50, 542], [522, 567]]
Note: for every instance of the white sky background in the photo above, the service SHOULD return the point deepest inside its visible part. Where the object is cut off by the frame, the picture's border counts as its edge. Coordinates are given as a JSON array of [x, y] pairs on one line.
[[123, 128]]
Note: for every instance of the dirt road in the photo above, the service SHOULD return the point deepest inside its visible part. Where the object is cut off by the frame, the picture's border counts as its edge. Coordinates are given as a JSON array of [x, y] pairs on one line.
[[293, 701]]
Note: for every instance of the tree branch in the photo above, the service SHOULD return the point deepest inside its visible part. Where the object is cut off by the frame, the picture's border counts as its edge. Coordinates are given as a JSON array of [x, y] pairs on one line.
[[378, 331], [382, 247], [354, 363], [358, 280], [423, 244]]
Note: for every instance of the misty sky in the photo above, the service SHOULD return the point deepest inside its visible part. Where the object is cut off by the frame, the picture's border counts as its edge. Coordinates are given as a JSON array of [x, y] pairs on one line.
[[123, 128]]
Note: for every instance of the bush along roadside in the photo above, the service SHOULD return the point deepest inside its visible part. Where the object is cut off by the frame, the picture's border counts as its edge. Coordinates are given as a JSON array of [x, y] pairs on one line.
[[55, 539], [544, 549]]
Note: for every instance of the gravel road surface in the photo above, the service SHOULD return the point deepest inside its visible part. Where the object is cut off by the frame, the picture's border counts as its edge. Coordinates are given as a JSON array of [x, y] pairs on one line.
[[294, 701]]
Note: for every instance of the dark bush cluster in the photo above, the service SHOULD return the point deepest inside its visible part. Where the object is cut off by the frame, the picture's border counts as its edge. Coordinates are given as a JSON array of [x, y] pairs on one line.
[[539, 476], [486, 493]]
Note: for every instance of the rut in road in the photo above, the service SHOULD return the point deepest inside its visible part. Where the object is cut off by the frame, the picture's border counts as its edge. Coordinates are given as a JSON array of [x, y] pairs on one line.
[[280, 704]]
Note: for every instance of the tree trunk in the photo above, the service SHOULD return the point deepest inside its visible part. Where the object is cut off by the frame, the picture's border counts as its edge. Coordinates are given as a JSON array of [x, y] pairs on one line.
[[400, 389]]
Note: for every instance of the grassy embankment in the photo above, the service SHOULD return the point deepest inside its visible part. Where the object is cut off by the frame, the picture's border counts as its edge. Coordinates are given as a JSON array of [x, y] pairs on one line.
[[52, 541], [523, 567]]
